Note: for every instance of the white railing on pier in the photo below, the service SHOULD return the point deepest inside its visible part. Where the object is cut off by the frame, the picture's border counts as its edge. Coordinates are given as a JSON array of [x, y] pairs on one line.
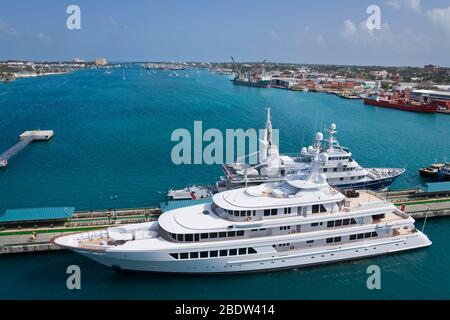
[[11, 152]]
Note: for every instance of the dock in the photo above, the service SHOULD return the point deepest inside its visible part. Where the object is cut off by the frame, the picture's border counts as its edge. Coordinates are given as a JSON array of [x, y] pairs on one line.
[[34, 228], [24, 140], [18, 237]]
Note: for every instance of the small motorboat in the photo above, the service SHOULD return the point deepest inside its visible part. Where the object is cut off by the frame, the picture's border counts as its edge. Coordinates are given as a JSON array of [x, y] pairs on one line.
[[431, 171]]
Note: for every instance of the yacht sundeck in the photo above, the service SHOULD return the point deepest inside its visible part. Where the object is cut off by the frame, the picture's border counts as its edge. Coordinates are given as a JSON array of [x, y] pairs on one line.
[[300, 221]]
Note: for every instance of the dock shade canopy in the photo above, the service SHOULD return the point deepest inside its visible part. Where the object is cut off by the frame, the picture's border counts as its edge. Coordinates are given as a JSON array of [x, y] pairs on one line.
[[37, 214], [438, 187]]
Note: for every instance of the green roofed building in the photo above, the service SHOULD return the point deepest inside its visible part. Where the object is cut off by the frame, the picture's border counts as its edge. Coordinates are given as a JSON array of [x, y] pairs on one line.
[[172, 205], [37, 217], [438, 187]]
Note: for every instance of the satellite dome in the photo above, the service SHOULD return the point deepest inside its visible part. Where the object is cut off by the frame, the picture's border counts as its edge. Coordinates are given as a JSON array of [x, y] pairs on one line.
[[323, 157], [319, 136], [304, 150], [310, 149], [333, 126]]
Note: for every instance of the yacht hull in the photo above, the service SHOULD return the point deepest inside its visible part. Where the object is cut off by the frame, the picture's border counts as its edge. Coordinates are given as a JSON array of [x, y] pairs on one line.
[[160, 262]]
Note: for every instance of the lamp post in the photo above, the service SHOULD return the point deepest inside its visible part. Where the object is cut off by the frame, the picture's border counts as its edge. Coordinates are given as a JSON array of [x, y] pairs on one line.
[[113, 199]]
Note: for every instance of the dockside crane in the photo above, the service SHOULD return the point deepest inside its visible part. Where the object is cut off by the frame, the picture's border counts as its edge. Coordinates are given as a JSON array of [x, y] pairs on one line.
[[236, 67]]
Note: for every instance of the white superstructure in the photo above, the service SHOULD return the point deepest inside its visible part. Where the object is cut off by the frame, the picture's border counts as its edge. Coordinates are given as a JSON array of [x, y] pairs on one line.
[[300, 221], [340, 168]]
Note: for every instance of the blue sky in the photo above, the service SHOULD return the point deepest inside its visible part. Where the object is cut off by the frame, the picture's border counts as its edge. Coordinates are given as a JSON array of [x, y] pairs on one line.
[[414, 32]]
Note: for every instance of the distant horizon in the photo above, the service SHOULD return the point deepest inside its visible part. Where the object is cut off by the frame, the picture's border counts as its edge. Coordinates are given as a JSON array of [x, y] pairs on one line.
[[222, 62], [405, 33]]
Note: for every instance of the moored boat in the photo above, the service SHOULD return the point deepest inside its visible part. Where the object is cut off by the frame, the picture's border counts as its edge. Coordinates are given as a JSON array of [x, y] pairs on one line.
[[401, 104], [299, 222], [430, 171]]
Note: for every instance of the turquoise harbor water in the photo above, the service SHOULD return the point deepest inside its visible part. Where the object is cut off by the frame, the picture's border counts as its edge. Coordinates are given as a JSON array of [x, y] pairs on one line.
[[112, 137]]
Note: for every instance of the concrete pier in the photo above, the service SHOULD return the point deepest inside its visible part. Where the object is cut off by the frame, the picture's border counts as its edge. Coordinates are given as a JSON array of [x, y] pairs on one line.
[[24, 140], [21, 240]]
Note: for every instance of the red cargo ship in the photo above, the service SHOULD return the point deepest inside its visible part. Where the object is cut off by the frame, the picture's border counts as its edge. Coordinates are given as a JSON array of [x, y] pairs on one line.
[[401, 103]]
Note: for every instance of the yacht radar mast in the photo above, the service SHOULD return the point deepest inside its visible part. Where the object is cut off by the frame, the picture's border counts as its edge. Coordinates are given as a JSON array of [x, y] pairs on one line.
[[332, 141]]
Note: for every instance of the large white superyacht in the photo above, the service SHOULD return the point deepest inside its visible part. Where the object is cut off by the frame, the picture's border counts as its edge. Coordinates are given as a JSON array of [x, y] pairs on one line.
[[301, 221]]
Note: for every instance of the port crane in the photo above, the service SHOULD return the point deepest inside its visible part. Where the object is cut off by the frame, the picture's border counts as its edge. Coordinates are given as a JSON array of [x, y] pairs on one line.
[[236, 67]]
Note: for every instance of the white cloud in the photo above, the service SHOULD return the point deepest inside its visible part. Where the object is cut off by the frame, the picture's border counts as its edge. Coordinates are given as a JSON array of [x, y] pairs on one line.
[[440, 17], [309, 37], [384, 40], [43, 37], [414, 5], [6, 29], [274, 34], [349, 29], [361, 34], [110, 21]]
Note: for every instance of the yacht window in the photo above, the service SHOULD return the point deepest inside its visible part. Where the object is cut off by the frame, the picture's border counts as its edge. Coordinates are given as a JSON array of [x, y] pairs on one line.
[[213, 254], [254, 213], [242, 251], [194, 255], [330, 240], [274, 212], [342, 179], [315, 208], [346, 222], [353, 237], [360, 236], [243, 213], [316, 224], [184, 255], [267, 212], [353, 221], [338, 223], [204, 236], [240, 233], [189, 237], [232, 234], [337, 239], [374, 234], [322, 208], [310, 241], [368, 235], [335, 169], [305, 210], [204, 254], [236, 213], [249, 213], [213, 235], [330, 224], [222, 235], [196, 237], [180, 237], [174, 236], [325, 169], [223, 253], [233, 252], [251, 251], [174, 255]]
